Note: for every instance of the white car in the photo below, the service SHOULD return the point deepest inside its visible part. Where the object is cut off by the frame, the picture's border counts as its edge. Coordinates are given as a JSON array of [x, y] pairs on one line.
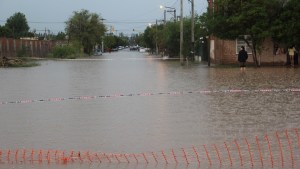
[[97, 52]]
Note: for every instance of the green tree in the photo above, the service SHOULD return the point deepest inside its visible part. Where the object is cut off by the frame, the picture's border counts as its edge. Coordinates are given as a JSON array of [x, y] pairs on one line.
[[167, 36], [87, 28], [122, 40], [60, 36], [149, 37], [139, 40], [154, 36], [4, 31], [233, 18], [17, 25], [201, 25], [172, 38], [110, 41], [285, 29]]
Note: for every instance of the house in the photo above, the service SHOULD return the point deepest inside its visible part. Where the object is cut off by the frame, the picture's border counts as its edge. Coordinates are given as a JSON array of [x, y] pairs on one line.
[[226, 51]]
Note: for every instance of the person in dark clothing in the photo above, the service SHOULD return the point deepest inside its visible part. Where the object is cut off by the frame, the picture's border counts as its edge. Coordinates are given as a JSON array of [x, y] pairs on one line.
[[242, 57]]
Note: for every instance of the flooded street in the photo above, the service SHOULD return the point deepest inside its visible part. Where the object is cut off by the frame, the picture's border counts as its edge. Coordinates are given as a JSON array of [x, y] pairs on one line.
[[153, 105]]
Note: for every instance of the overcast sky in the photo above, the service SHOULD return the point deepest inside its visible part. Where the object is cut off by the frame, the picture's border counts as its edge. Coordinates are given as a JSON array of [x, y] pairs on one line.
[[123, 15]]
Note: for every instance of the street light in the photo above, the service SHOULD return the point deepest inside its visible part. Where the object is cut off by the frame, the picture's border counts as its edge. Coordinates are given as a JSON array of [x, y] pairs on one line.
[[173, 10]]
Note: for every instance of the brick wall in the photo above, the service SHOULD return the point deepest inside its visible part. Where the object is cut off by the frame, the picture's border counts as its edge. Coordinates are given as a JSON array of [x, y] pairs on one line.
[[225, 53]]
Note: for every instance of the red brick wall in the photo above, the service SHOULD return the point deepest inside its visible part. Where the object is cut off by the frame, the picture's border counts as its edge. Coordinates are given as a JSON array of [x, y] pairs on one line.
[[225, 53]]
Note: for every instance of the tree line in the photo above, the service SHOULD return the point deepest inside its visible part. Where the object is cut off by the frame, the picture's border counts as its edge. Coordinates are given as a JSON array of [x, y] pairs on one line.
[[84, 31], [225, 19], [165, 37], [233, 19]]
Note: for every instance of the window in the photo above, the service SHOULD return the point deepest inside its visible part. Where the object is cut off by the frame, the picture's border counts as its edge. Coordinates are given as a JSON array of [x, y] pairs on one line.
[[241, 42]]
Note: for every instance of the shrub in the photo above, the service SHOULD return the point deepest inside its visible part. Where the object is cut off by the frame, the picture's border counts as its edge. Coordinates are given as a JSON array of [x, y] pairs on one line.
[[66, 51]]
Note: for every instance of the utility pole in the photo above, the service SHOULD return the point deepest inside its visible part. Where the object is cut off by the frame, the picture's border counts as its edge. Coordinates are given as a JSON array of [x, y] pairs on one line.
[[102, 45], [193, 29], [45, 34], [156, 46], [181, 31], [165, 16], [175, 16]]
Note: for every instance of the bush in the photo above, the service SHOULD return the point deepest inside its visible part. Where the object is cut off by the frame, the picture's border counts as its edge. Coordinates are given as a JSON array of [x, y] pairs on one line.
[[66, 51]]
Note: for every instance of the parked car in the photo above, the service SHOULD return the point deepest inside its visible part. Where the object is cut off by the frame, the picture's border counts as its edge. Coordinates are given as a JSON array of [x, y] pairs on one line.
[[115, 49], [97, 52], [134, 47], [143, 50]]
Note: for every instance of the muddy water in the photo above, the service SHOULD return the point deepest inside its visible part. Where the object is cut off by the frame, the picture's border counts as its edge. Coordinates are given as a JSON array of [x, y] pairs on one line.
[[140, 122]]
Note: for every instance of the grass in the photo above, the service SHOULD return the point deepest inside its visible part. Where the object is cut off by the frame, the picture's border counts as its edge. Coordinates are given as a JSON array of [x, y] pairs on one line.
[[25, 64], [21, 62]]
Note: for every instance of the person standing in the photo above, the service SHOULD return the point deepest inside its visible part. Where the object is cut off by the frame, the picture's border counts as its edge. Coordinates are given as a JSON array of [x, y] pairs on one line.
[[242, 57], [291, 52]]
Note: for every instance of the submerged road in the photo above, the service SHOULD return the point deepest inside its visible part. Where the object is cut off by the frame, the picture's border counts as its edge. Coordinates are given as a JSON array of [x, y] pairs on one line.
[[144, 124]]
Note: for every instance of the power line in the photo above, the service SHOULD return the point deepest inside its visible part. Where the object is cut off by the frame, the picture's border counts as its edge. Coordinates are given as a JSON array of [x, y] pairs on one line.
[[46, 22], [41, 22], [58, 22], [127, 22]]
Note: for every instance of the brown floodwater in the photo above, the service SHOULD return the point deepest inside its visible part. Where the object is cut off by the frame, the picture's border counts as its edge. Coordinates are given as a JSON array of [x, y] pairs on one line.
[[162, 106]]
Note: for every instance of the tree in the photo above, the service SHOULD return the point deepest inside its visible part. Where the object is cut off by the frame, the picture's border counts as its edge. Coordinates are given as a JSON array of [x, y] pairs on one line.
[[87, 28], [171, 38], [17, 25], [285, 28], [112, 41], [122, 40], [150, 37], [139, 39], [233, 18], [60, 36], [167, 36], [4, 31], [156, 37]]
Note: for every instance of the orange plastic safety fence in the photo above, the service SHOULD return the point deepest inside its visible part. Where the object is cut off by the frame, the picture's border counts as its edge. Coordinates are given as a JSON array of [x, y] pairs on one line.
[[279, 149]]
